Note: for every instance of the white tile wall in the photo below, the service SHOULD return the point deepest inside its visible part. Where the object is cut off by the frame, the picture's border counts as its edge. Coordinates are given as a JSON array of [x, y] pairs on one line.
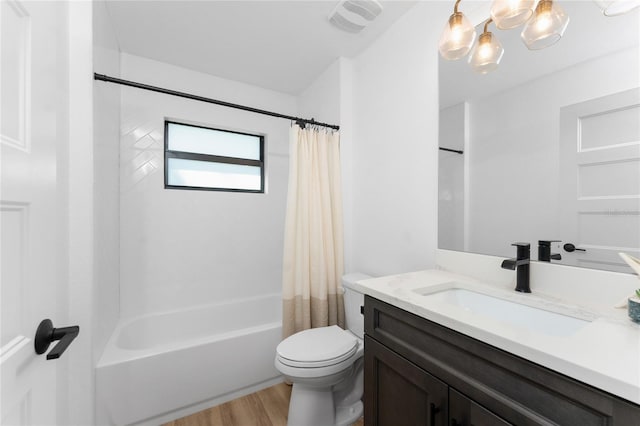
[[141, 150], [181, 248]]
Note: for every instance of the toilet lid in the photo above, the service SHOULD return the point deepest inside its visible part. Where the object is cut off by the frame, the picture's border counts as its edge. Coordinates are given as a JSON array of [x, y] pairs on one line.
[[317, 347]]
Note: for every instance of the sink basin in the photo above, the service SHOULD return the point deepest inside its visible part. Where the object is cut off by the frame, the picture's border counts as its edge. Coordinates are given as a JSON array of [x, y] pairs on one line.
[[509, 312]]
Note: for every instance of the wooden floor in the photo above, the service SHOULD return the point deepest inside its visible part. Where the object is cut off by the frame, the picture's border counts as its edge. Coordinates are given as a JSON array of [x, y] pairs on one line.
[[268, 407]]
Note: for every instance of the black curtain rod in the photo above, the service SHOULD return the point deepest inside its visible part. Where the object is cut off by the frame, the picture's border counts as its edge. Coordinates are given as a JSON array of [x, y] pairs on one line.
[[300, 121], [451, 150]]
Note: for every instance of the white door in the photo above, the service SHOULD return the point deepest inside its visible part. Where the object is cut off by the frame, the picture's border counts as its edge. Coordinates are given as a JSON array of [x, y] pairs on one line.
[[600, 180], [31, 205]]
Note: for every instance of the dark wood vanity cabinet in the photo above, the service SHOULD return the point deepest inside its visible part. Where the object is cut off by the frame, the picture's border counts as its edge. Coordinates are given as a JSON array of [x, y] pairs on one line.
[[404, 394], [418, 372]]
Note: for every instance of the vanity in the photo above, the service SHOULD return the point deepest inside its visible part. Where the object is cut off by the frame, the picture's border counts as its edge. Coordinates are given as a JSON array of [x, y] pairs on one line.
[[522, 158], [442, 348]]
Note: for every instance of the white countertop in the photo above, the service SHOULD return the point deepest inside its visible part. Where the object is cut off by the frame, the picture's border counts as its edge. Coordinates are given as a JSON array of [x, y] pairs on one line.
[[605, 353]]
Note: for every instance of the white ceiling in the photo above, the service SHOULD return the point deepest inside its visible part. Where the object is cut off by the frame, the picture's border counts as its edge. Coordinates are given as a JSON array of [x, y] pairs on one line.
[[279, 45], [589, 34]]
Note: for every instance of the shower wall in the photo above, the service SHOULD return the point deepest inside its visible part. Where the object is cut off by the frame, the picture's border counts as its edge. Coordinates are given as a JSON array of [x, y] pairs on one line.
[[181, 248]]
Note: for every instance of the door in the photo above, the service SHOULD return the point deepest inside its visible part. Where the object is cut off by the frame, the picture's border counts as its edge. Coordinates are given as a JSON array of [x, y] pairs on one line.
[[600, 180], [397, 392], [32, 240]]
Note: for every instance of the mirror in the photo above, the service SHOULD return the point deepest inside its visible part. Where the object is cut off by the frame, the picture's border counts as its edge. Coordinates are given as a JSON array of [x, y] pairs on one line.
[[550, 144]]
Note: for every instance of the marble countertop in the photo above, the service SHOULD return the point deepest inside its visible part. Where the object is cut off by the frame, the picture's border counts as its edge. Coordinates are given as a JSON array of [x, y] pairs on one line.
[[605, 353]]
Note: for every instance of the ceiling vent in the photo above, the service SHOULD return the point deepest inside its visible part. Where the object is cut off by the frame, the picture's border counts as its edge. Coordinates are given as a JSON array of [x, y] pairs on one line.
[[354, 15]]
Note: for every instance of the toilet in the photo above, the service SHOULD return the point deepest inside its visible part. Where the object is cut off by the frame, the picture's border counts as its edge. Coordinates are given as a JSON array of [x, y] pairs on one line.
[[325, 366]]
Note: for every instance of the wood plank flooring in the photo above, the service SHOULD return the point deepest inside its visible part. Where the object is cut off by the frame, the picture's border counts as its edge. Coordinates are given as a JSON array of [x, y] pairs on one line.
[[268, 407]]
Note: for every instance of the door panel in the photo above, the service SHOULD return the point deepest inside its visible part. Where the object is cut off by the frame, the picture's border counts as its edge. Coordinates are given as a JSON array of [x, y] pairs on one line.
[[398, 392], [600, 180], [31, 34]]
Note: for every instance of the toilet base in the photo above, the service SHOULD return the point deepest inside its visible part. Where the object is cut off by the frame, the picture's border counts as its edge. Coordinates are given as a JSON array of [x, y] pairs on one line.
[[348, 415], [315, 407]]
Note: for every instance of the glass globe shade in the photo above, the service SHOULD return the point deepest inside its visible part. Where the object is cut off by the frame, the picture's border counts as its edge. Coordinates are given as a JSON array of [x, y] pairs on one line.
[[546, 27], [507, 14], [457, 37], [617, 7], [486, 54]]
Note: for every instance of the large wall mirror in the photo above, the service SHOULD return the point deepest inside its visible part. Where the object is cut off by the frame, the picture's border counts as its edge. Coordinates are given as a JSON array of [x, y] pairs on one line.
[[550, 144]]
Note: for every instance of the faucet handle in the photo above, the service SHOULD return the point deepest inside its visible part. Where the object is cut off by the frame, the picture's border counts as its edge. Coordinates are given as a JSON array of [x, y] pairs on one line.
[[523, 250], [544, 251]]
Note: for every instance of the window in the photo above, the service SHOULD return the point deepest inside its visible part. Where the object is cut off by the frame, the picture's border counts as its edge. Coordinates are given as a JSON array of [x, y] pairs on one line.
[[198, 157]]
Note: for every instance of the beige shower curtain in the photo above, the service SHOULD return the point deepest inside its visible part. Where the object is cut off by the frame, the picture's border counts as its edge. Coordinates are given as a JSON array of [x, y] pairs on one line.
[[313, 248]]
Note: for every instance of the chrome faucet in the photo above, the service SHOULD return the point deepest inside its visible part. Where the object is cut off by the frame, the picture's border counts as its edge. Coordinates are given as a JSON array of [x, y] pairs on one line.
[[521, 262]]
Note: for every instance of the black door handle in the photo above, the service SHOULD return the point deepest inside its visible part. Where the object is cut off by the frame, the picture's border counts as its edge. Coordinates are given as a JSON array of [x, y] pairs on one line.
[[47, 334], [570, 248]]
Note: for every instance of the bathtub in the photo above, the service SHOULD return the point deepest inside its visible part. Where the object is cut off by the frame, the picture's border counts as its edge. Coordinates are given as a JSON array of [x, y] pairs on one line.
[[159, 367]]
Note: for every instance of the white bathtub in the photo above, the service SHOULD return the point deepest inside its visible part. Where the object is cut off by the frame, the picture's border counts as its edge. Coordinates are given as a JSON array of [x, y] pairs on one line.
[[162, 366]]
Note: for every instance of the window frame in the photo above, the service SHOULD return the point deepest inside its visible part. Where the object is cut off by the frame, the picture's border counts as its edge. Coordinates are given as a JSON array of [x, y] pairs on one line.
[[211, 159]]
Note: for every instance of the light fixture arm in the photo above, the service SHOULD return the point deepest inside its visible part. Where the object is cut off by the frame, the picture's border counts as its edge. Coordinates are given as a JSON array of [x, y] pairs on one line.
[[455, 6], [486, 24]]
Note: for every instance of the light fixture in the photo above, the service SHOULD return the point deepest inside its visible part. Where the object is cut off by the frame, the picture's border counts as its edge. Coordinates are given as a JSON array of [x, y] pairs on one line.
[[457, 37], [617, 7], [546, 26], [507, 14], [487, 52]]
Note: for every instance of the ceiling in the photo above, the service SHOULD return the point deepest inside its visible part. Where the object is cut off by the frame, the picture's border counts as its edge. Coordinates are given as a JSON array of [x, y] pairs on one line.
[[278, 45], [589, 35]]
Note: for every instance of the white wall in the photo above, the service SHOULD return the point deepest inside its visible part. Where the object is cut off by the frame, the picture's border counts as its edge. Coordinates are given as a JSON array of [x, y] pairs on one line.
[[386, 102], [395, 145], [514, 151], [321, 100], [452, 132], [347, 158], [181, 248], [106, 200]]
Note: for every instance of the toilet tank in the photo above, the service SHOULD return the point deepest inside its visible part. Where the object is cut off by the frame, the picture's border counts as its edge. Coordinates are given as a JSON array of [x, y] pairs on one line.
[[353, 300]]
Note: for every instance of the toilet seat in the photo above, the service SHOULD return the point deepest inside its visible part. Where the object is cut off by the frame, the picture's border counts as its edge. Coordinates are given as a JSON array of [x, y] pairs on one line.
[[317, 347]]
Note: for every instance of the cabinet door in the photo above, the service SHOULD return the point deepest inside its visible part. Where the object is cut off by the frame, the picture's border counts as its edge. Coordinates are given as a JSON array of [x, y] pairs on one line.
[[464, 412], [398, 392]]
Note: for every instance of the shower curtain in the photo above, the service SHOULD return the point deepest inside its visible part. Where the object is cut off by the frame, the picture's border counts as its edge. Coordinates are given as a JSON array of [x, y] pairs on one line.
[[313, 248]]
